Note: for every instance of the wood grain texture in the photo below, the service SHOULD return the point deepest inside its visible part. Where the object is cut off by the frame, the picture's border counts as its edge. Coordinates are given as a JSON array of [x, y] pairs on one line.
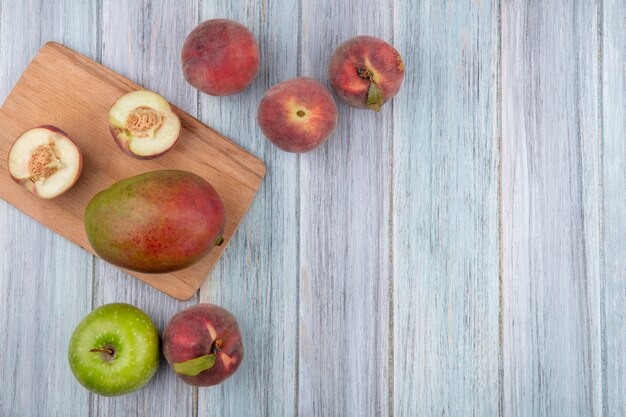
[[258, 278], [39, 270], [55, 80], [344, 234], [550, 214], [147, 52], [613, 249], [445, 253]]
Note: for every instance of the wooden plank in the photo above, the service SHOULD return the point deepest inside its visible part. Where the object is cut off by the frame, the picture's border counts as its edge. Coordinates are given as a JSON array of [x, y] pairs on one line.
[[257, 279], [344, 234], [614, 209], [445, 252], [55, 80], [45, 281], [144, 44], [550, 213]]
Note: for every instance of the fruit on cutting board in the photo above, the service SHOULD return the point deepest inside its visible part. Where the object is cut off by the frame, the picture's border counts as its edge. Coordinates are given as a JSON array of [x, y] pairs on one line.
[[114, 350], [143, 124], [45, 160], [220, 57], [366, 72], [158, 222], [297, 115], [203, 344]]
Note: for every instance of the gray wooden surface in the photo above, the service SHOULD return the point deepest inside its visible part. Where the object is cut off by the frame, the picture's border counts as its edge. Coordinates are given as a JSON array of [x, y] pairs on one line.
[[462, 253]]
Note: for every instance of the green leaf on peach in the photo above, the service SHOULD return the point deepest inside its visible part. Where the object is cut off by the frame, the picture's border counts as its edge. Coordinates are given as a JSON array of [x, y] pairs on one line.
[[193, 367], [375, 98]]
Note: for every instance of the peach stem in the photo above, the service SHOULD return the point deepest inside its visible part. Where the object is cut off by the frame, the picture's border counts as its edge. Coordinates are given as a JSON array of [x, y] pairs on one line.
[[217, 346], [365, 73]]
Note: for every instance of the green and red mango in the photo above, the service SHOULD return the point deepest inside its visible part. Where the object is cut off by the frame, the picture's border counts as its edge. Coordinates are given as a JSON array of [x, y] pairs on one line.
[[157, 222]]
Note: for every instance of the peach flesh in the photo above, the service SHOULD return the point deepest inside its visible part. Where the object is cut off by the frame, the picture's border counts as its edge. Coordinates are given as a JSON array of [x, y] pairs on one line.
[[143, 124], [366, 72], [45, 161], [220, 57], [297, 115]]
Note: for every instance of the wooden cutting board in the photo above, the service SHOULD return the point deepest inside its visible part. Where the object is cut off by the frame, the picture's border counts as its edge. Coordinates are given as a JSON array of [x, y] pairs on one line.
[[66, 89]]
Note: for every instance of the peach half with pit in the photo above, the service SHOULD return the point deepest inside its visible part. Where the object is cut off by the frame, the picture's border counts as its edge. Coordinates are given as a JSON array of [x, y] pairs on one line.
[[143, 124], [45, 160]]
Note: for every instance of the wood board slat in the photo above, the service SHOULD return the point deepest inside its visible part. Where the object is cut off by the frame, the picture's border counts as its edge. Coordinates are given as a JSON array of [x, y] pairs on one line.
[[550, 191], [344, 273], [45, 281], [68, 90], [613, 207], [445, 212], [140, 55], [257, 279]]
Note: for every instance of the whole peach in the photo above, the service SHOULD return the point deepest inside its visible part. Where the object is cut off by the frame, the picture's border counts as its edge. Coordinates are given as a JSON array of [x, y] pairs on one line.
[[203, 344], [366, 72], [297, 115], [220, 57]]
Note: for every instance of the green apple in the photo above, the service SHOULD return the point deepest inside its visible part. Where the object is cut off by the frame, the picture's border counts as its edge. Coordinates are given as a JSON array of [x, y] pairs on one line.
[[114, 350]]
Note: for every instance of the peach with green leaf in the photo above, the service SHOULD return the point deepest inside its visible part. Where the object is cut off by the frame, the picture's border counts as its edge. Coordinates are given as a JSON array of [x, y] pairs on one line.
[[366, 72], [203, 344]]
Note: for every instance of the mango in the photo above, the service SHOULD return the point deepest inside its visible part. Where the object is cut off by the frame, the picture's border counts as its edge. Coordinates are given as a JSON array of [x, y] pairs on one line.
[[156, 222]]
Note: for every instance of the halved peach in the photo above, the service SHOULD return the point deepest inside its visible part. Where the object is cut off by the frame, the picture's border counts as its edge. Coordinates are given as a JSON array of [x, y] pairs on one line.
[[143, 124], [45, 160]]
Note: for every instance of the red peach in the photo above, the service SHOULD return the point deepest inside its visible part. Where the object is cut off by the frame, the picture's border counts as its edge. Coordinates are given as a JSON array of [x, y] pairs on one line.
[[366, 72], [203, 344], [220, 57], [297, 115]]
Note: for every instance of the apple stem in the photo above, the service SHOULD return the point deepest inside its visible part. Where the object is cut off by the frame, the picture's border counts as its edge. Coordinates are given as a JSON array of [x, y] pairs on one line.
[[103, 350], [219, 240]]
